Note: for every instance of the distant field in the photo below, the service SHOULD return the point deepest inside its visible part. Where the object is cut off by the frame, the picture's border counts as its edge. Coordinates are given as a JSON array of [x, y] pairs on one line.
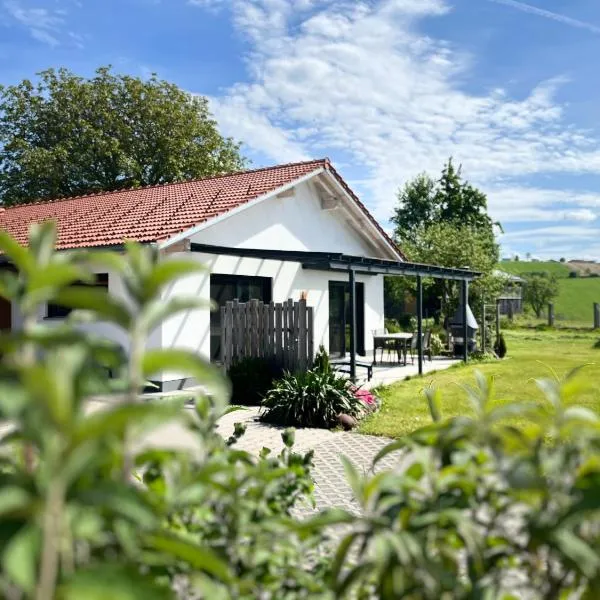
[[577, 295], [574, 303], [521, 267]]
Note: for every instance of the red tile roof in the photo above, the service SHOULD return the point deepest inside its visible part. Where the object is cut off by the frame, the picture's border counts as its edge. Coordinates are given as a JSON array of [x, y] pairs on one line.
[[156, 213]]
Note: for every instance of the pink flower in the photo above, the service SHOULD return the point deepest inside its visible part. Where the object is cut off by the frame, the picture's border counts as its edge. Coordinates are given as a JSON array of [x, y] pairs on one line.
[[365, 396]]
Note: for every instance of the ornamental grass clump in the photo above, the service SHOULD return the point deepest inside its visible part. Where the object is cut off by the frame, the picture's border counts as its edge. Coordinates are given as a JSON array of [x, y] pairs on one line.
[[310, 399]]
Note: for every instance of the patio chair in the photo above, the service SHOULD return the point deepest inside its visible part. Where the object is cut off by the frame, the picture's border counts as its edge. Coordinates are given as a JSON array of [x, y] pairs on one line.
[[414, 349], [427, 345], [379, 344]]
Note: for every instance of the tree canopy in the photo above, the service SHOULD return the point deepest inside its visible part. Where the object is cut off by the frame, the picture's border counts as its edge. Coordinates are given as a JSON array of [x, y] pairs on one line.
[[66, 135], [445, 222], [451, 245], [539, 290], [424, 201]]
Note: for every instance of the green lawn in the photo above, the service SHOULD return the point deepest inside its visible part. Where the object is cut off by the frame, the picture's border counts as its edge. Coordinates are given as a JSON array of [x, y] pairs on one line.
[[561, 270], [576, 299], [531, 355], [574, 305]]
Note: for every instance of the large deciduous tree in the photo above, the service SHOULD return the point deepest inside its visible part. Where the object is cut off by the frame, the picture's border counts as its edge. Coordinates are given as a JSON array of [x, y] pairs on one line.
[[445, 222], [67, 135], [424, 201]]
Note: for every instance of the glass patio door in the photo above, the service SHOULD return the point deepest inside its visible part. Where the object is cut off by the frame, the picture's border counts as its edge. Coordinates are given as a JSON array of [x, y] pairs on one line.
[[340, 317]]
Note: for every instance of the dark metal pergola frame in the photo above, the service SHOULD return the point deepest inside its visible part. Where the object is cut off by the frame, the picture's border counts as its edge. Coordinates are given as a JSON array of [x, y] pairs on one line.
[[353, 265]]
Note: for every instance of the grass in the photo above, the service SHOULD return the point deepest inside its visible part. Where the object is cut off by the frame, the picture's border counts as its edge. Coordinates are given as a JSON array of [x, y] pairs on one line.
[[576, 298], [531, 355], [574, 305], [561, 270]]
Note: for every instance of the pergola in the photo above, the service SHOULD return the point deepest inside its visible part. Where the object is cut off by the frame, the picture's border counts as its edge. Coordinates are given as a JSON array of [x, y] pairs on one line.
[[353, 265]]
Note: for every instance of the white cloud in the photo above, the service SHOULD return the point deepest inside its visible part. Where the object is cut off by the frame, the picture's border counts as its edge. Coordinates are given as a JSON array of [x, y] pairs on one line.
[[360, 80], [43, 24]]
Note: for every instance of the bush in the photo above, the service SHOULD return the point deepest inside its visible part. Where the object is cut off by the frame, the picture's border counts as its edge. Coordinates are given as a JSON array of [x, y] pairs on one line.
[[501, 502], [500, 346], [251, 378], [392, 325], [483, 510], [321, 362], [310, 399], [573, 274], [408, 322], [597, 345], [437, 346]]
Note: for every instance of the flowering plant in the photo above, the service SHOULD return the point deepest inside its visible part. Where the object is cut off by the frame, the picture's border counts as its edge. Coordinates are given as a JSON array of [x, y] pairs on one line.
[[370, 400]]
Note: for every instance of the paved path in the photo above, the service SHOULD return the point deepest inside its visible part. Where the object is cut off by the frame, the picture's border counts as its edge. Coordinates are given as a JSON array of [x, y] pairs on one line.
[[331, 487]]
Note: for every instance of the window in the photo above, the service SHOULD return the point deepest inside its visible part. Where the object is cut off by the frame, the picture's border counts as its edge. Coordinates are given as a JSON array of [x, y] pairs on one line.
[[57, 311], [340, 317], [224, 288]]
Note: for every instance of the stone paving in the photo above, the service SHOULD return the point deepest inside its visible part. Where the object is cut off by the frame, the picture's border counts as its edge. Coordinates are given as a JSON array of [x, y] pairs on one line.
[[331, 487]]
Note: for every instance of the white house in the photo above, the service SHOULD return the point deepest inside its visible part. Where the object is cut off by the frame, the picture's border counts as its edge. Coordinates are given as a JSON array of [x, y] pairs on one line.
[[304, 207]]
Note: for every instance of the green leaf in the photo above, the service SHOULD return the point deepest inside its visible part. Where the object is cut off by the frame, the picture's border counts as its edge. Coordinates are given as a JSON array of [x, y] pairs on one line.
[[115, 420], [57, 275], [167, 271], [433, 400], [98, 301], [19, 255], [158, 311], [13, 499], [354, 479], [187, 363], [326, 518], [117, 582], [20, 558], [402, 444], [581, 414], [578, 552], [42, 240], [199, 557], [123, 500]]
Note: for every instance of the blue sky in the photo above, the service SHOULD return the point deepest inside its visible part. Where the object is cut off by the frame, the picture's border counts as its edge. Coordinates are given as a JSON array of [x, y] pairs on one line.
[[385, 88]]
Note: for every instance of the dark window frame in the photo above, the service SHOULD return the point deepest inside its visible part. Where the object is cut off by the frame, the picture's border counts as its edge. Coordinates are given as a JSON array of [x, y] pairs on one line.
[[344, 288]]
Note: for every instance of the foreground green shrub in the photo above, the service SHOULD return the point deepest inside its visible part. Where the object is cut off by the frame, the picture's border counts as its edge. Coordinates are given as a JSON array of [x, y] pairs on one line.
[[482, 509], [90, 509], [251, 378], [87, 510], [310, 399]]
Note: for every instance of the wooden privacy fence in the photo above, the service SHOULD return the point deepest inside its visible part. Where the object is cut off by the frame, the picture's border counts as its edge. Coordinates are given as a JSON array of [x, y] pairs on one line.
[[283, 332]]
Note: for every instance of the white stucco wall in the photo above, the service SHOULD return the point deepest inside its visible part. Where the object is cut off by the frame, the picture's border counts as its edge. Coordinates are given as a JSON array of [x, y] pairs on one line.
[[296, 222], [292, 223]]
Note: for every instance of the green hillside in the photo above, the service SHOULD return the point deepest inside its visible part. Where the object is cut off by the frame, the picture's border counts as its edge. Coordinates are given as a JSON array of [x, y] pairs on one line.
[[575, 300], [520, 267], [574, 304]]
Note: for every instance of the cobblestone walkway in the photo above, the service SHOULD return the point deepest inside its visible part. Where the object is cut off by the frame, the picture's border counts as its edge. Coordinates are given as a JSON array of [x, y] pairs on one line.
[[331, 487]]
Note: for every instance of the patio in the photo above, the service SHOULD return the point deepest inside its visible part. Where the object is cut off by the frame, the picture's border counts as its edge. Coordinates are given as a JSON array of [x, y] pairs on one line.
[[387, 374]]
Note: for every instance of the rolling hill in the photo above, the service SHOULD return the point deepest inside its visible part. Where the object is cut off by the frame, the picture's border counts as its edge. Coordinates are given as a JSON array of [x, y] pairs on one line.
[[577, 295]]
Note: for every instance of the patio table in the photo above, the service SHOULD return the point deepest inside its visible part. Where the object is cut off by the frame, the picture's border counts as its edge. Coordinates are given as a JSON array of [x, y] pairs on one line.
[[401, 341]]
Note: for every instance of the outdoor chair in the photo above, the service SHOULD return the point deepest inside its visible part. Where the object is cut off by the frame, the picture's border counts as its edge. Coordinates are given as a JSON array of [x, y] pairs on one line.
[[383, 345], [427, 345], [414, 346]]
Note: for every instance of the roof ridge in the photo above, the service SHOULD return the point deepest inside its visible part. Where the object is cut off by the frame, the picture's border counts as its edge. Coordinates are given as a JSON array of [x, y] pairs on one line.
[[325, 161]]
